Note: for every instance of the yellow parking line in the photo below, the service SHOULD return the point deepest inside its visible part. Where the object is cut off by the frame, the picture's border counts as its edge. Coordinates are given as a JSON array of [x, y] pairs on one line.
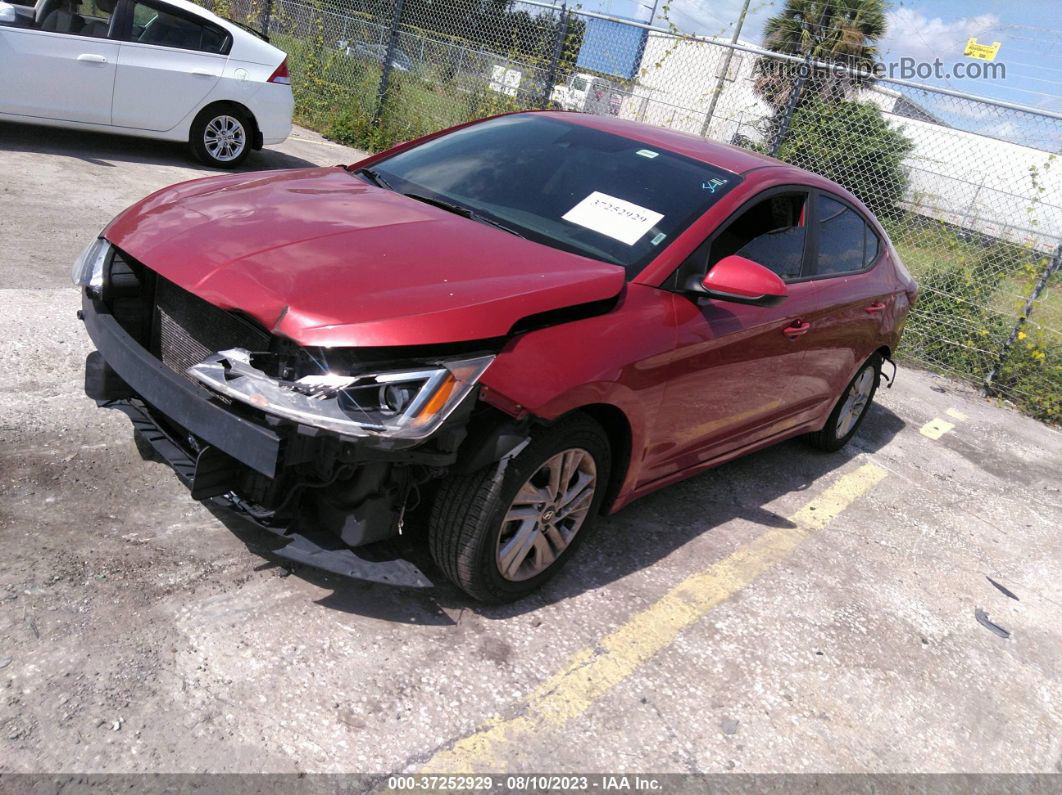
[[955, 414], [936, 428], [591, 672]]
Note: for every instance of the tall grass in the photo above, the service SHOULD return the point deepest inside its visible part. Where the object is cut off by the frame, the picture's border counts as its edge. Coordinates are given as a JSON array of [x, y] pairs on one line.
[[972, 292], [337, 95]]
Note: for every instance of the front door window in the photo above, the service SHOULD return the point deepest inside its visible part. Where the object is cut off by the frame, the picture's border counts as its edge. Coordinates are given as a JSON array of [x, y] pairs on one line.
[[91, 18], [771, 233]]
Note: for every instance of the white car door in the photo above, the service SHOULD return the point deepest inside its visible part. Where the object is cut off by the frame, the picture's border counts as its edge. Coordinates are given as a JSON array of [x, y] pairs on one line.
[[57, 74], [170, 63]]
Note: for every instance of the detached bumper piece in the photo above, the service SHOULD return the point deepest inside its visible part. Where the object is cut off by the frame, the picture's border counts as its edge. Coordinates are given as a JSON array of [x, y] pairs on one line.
[[211, 449], [323, 551]]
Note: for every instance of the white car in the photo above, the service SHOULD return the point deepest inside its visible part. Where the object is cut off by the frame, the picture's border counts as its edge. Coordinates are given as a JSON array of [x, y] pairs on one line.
[[164, 69]]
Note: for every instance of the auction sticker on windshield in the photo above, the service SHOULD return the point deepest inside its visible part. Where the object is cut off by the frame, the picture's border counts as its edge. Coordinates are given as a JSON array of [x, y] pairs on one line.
[[619, 219]]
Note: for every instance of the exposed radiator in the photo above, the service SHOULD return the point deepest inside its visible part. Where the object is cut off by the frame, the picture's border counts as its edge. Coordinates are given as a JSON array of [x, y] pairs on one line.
[[187, 328]]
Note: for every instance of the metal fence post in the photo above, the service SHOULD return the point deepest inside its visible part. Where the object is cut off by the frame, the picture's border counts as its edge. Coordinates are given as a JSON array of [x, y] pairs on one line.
[[721, 81], [1053, 264], [385, 75], [267, 14], [790, 106], [558, 53]]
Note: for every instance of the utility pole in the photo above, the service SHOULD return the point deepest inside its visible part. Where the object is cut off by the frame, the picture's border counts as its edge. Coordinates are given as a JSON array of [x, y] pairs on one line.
[[726, 68], [558, 53], [385, 74]]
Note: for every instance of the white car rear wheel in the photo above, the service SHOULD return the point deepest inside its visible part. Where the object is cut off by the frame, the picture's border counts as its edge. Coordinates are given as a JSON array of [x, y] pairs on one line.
[[221, 137]]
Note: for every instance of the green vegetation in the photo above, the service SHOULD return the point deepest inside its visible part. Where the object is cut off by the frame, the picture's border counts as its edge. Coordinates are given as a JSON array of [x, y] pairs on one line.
[[493, 25], [455, 47], [972, 292], [336, 94], [852, 144], [843, 32]]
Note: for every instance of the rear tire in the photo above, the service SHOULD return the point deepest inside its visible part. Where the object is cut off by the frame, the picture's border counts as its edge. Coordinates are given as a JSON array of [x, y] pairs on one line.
[[850, 410], [499, 539], [221, 136]]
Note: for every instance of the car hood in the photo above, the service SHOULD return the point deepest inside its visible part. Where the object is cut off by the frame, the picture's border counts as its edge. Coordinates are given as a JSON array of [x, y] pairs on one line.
[[325, 259]]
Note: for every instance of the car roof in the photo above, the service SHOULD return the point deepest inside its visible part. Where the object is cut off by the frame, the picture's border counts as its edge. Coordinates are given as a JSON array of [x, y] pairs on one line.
[[730, 158]]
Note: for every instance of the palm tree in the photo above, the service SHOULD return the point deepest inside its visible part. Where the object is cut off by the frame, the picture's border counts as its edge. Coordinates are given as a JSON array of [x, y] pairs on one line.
[[843, 32]]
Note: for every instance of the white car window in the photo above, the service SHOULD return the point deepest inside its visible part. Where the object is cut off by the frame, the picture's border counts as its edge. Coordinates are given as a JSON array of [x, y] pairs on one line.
[[152, 25], [91, 18]]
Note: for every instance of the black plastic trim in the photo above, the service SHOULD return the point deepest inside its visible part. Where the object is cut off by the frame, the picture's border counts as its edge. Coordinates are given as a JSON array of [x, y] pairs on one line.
[[378, 563], [187, 404]]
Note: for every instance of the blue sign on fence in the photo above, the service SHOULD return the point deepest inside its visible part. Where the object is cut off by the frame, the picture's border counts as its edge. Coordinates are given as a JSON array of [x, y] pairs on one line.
[[612, 48]]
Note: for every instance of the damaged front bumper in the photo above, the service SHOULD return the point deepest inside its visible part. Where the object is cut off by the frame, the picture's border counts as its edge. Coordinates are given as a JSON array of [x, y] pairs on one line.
[[313, 547], [322, 491]]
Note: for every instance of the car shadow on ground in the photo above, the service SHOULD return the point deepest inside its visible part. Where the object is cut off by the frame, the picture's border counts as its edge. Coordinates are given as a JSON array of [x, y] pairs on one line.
[[102, 149], [647, 531]]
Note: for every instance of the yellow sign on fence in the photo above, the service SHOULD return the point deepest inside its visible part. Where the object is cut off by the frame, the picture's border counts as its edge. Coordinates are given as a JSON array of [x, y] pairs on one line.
[[986, 52]]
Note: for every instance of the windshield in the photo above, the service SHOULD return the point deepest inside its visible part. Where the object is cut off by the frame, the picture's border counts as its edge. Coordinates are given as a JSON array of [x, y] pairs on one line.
[[565, 185]]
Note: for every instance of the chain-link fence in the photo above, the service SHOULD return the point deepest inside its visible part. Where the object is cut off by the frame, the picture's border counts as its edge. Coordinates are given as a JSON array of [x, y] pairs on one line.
[[968, 188]]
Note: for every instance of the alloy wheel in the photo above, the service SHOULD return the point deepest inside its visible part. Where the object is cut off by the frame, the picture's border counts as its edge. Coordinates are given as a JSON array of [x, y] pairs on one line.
[[225, 138], [546, 514], [856, 402]]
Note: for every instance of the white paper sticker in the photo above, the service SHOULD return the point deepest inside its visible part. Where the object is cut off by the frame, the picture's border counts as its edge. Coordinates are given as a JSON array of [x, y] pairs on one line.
[[647, 153], [619, 219]]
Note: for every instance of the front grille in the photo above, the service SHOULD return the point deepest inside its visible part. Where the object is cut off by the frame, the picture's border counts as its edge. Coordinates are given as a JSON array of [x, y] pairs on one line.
[[187, 329]]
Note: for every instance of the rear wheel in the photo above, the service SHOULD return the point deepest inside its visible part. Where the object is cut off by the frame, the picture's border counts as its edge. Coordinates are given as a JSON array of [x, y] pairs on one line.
[[850, 410], [221, 136], [499, 539]]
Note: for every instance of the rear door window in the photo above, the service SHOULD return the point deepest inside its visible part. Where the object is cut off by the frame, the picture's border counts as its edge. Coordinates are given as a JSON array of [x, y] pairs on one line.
[[153, 25], [847, 243]]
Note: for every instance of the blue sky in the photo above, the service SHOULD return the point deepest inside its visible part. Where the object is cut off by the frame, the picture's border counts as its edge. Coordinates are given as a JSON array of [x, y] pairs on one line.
[[1030, 32]]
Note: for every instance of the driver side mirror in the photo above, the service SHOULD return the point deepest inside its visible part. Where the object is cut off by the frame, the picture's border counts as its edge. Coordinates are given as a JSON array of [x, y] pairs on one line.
[[740, 280], [8, 16]]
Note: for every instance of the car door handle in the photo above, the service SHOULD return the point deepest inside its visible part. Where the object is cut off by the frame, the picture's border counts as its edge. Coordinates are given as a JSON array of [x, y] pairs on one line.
[[798, 329], [91, 57], [203, 73], [875, 308]]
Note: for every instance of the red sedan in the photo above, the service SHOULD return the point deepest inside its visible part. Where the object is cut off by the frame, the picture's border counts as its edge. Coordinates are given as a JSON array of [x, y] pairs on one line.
[[520, 323]]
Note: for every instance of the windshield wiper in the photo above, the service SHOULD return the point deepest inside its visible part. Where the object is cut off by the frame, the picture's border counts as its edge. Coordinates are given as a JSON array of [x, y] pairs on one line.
[[466, 212], [376, 177]]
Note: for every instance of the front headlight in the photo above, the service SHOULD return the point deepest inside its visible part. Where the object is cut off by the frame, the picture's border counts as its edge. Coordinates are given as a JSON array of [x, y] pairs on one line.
[[88, 267], [404, 404]]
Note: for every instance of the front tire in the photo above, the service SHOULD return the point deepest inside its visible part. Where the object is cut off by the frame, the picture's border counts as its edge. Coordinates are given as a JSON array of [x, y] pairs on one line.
[[850, 410], [500, 538], [221, 136]]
